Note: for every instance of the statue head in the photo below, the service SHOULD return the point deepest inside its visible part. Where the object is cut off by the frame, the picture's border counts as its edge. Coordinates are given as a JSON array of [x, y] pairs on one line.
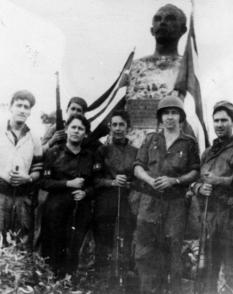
[[168, 24]]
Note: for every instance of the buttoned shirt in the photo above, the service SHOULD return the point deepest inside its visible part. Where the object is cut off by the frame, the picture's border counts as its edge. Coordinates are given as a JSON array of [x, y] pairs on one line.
[[179, 159], [62, 165], [24, 152], [111, 160]]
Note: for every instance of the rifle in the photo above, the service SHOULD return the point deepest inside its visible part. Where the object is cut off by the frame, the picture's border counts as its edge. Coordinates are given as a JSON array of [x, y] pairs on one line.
[[73, 223], [13, 212], [118, 270], [201, 263], [59, 118], [71, 240]]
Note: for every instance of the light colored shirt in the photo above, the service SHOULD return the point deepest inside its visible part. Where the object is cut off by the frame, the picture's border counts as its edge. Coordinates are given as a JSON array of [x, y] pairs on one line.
[[25, 152]]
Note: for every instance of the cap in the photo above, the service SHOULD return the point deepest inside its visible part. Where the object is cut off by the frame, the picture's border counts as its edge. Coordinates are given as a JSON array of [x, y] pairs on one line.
[[224, 105]]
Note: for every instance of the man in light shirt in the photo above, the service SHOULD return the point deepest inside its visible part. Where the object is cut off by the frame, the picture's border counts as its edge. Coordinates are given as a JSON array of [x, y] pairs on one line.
[[20, 167]]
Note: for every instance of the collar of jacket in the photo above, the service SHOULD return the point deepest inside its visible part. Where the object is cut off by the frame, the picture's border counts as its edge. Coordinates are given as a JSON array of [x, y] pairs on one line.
[[13, 136], [218, 147], [181, 136], [24, 131], [120, 142], [68, 151]]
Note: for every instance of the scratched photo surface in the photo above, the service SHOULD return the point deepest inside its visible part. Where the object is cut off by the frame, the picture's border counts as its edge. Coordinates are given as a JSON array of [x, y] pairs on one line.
[[88, 42]]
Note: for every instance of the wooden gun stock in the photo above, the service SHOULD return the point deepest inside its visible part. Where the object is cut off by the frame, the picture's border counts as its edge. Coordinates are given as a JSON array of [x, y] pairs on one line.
[[201, 264], [118, 270]]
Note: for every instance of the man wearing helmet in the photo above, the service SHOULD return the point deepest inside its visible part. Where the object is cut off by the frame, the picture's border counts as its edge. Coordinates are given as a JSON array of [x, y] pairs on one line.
[[167, 163]]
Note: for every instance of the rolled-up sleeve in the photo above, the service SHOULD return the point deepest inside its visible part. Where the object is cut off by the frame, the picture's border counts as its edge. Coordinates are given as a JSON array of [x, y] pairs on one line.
[[142, 155]]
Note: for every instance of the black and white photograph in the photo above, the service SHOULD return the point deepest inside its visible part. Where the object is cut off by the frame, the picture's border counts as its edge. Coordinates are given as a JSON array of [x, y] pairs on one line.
[[116, 147]]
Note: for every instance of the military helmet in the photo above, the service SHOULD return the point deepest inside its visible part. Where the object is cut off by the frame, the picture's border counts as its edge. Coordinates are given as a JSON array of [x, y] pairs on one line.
[[171, 101]]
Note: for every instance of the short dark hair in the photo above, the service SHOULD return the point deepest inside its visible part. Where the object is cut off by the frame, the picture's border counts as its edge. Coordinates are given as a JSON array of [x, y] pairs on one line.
[[84, 121], [23, 95], [80, 101], [123, 114], [222, 108]]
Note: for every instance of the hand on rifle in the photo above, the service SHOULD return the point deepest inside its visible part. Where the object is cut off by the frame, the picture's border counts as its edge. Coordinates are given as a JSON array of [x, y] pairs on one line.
[[78, 195], [57, 137], [18, 178], [206, 189], [76, 183], [120, 181], [211, 178]]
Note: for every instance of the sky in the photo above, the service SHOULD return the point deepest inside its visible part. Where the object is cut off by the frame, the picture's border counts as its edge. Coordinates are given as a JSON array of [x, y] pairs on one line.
[[88, 41]]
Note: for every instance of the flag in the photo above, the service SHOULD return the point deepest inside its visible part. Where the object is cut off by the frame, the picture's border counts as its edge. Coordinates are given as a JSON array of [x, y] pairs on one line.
[[187, 82], [99, 110]]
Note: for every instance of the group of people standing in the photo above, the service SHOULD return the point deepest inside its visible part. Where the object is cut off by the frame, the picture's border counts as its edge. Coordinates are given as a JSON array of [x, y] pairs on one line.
[[85, 185], [135, 201]]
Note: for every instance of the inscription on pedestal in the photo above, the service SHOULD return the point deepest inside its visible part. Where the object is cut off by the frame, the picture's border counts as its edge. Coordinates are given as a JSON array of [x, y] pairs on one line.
[[142, 113]]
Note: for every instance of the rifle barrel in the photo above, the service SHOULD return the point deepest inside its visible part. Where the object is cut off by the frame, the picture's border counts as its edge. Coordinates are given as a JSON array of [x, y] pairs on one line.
[[59, 118]]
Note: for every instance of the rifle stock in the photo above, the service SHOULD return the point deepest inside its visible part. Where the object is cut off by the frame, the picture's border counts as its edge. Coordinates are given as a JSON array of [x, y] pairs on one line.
[[13, 213], [201, 264], [59, 118], [119, 247]]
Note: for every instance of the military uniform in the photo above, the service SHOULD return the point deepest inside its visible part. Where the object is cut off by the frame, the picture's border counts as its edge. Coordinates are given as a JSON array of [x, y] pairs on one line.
[[162, 215], [218, 159], [111, 160]]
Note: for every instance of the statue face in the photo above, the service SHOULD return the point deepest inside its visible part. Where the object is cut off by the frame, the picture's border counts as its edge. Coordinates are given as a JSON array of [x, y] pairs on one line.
[[168, 24]]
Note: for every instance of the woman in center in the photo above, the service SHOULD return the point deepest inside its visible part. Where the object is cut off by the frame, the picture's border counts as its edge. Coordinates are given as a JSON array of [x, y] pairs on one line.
[[67, 212]]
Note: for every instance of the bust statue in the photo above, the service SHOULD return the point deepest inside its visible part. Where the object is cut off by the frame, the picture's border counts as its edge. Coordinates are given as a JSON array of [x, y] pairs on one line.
[[152, 77]]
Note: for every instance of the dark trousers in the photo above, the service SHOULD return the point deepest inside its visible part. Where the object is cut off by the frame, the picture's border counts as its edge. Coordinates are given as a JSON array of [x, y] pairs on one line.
[[219, 249], [62, 234], [158, 247], [16, 215], [105, 243]]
